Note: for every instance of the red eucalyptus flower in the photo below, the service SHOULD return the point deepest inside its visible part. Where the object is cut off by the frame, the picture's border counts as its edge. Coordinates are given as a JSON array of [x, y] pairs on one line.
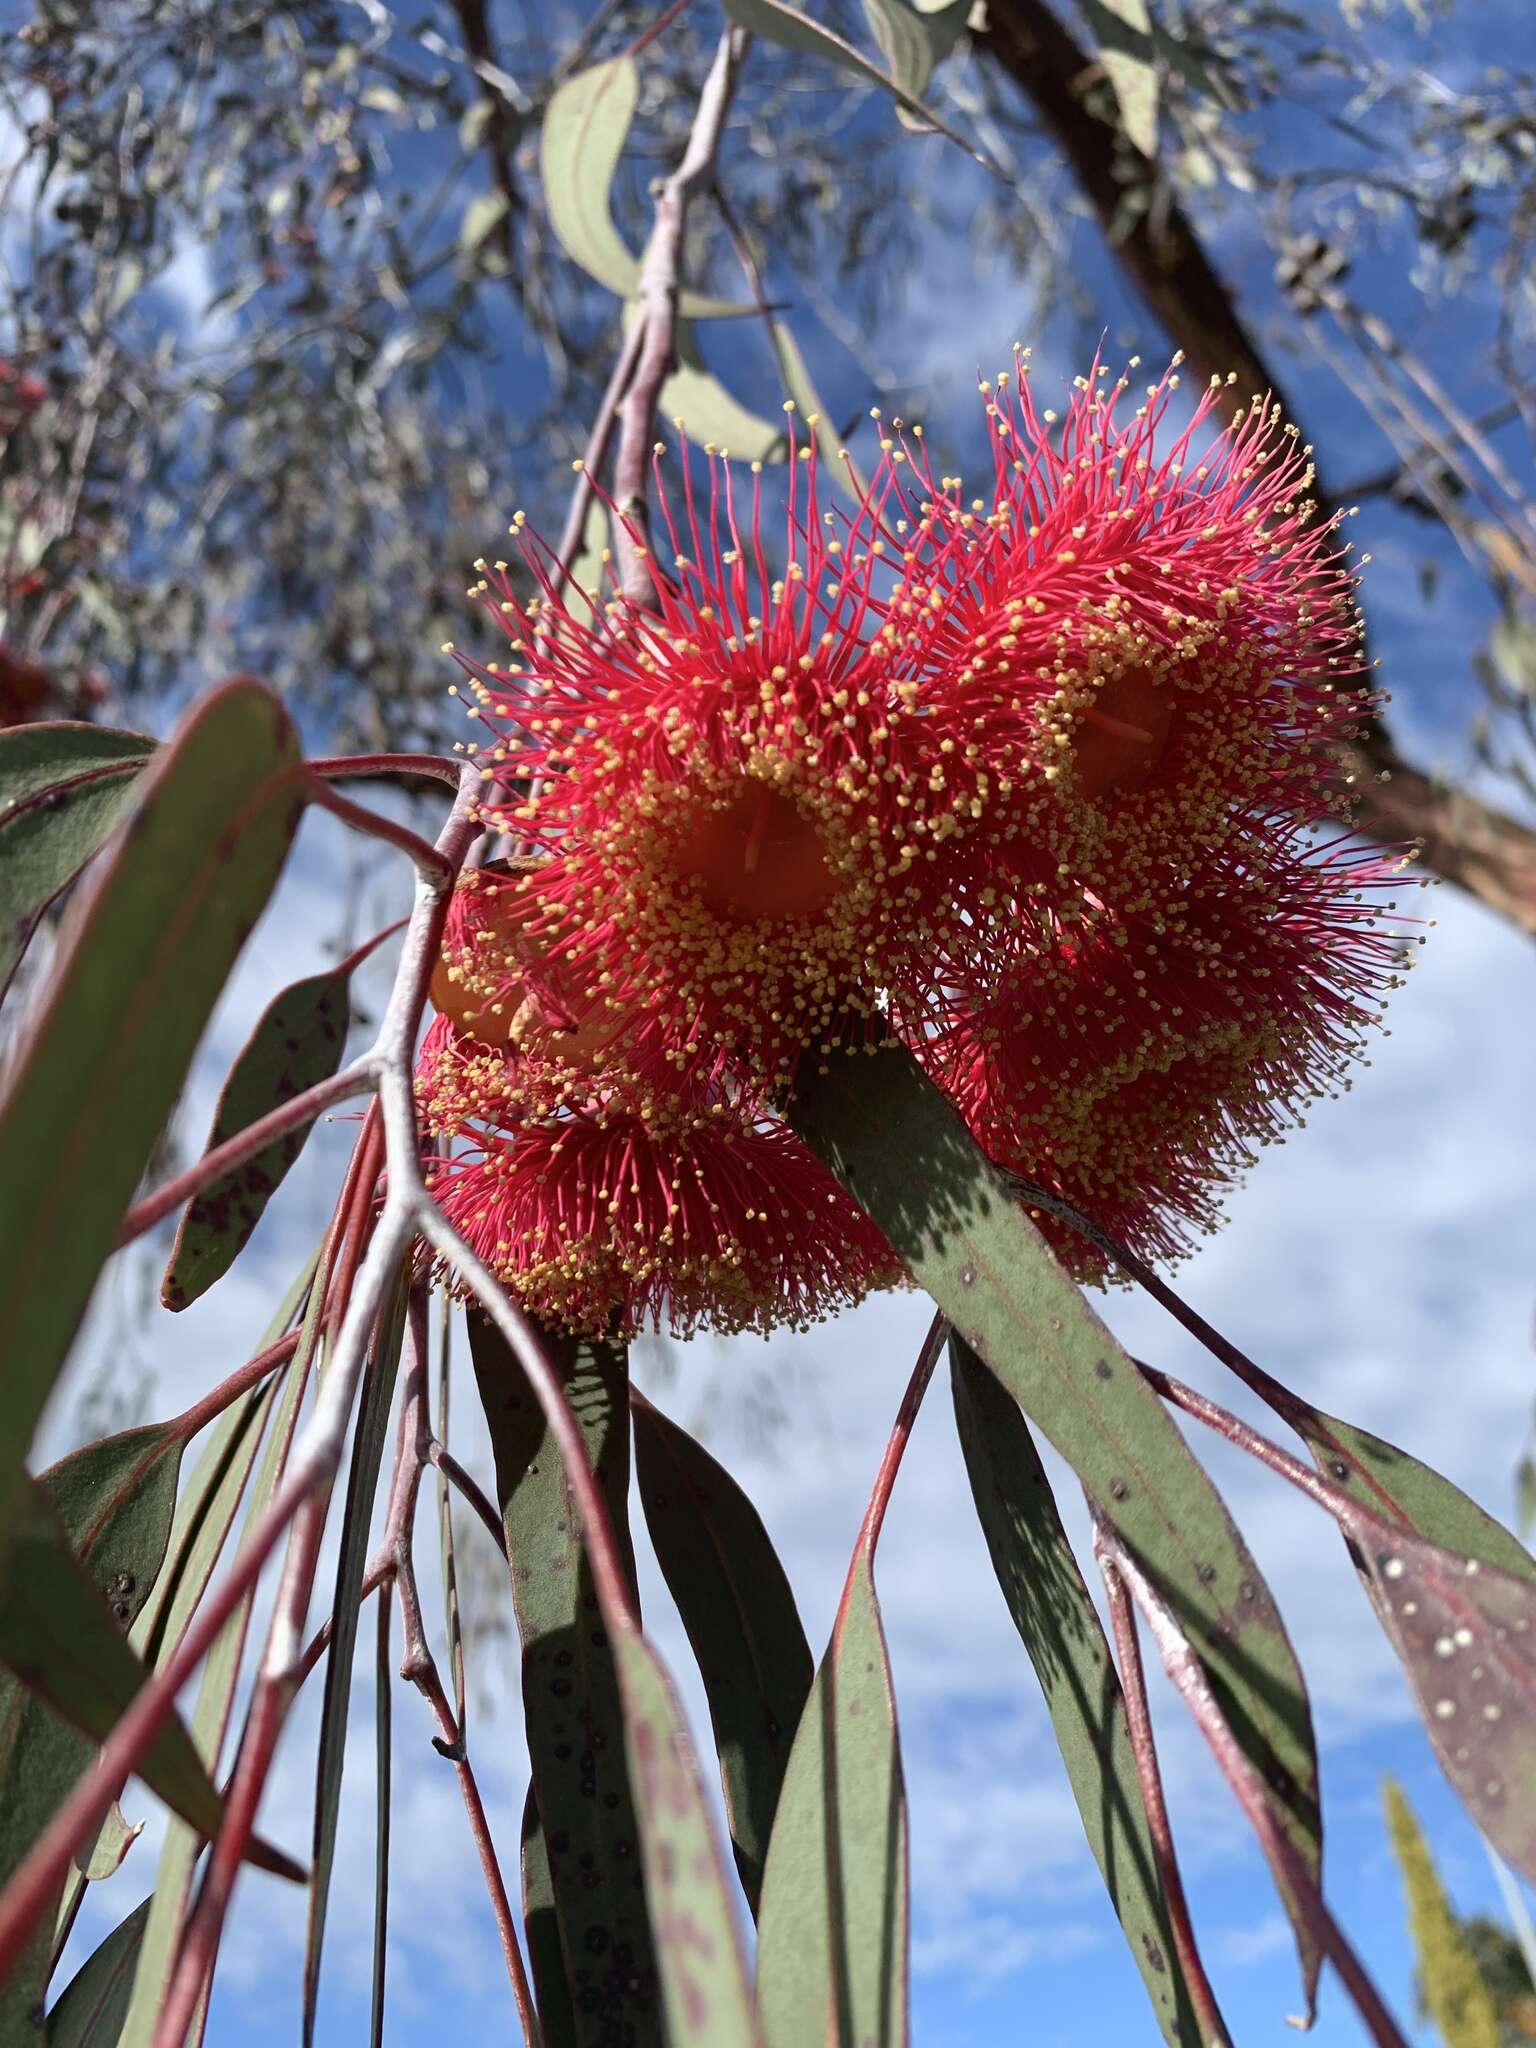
[[1028, 776], [747, 814], [668, 1212]]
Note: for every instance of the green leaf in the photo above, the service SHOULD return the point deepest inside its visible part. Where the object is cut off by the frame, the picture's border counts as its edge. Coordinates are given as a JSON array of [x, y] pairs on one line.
[[298, 1041], [541, 1924], [833, 1925], [835, 460], [778, 23], [147, 951], [1124, 30], [1055, 1615], [571, 1698], [216, 1487], [585, 128], [362, 1483], [116, 1499], [90, 2010], [482, 217], [739, 1611], [58, 1635], [904, 1155], [383, 1695], [62, 789], [914, 41], [698, 1949], [1392, 1483], [711, 415]]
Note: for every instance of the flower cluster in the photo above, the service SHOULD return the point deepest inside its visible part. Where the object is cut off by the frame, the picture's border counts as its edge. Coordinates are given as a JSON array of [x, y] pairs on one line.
[[1028, 780]]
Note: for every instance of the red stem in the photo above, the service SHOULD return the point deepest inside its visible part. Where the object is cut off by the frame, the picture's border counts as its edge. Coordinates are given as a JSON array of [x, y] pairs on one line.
[[485, 1847], [454, 1473], [901, 1434], [342, 767], [1183, 1668], [217, 1399], [1213, 2028], [429, 862], [269, 1708], [277, 1123]]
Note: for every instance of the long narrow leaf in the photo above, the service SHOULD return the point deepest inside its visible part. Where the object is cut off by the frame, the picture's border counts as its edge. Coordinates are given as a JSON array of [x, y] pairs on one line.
[[1059, 1624], [147, 950], [571, 1697], [739, 1611], [62, 789], [91, 2008], [904, 1154], [362, 1482], [297, 1041]]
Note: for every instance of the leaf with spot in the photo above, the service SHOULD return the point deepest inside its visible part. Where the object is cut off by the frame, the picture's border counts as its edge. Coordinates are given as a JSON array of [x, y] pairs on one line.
[[905, 1156], [1059, 1624], [90, 2010], [298, 1041], [116, 1499], [61, 1639], [571, 1698], [1402, 1489], [586, 125], [63, 787], [1465, 1632], [147, 949], [688, 1899], [739, 1611], [832, 1953]]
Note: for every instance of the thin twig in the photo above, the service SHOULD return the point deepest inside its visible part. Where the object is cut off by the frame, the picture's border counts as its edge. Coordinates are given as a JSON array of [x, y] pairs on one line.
[[429, 862], [299, 1109], [657, 295]]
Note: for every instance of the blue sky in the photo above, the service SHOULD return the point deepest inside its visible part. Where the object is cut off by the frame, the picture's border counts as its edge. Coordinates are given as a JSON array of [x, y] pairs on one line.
[[1381, 1262]]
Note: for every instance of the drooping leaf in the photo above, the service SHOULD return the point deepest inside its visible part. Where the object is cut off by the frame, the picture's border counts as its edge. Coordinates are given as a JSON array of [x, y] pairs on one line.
[[1398, 1486], [59, 1637], [914, 40], [1124, 29], [905, 1156], [115, 1499], [833, 1923], [147, 950], [698, 1949], [1055, 1615], [90, 2010], [362, 1483], [776, 22], [383, 1695], [224, 1470], [1465, 1633], [835, 460], [541, 1923], [114, 1838], [298, 1041], [62, 789], [585, 128], [712, 416], [571, 1699], [739, 1611]]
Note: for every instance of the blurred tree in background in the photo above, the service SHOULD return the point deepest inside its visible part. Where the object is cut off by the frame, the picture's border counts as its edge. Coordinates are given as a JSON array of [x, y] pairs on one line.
[[287, 329]]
